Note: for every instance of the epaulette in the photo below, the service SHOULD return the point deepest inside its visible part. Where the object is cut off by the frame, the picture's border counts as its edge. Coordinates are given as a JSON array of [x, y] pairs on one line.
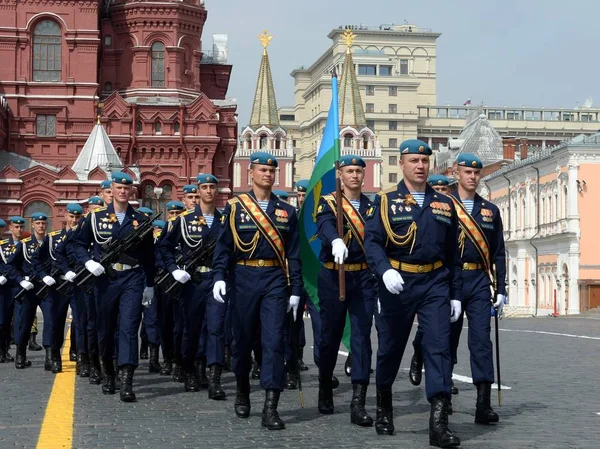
[[171, 219], [232, 201], [26, 239], [187, 212], [329, 196], [100, 209], [2, 242], [386, 191], [53, 233]]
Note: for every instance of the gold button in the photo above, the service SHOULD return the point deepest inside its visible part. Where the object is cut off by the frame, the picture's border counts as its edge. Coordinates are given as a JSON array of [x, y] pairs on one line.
[[421, 268], [261, 263], [465, 266]]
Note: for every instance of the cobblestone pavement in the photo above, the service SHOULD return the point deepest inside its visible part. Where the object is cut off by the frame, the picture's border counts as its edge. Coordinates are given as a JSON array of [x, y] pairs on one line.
[[553, 402]]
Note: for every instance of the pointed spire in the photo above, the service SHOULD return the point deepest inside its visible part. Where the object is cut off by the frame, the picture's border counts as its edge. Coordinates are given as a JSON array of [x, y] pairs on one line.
[[98, 151], [264, 108], [351, 108]]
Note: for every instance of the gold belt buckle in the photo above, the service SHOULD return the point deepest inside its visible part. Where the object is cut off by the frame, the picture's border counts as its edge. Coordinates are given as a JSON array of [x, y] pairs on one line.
[[119, 266], [465, 266], [421, 269], [261, 262]]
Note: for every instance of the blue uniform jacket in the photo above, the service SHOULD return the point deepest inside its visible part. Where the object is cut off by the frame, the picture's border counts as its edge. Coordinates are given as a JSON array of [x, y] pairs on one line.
[[487, 215], [435, 237], [7, 249], [188, 228], [47, 250], [327, 231], [283, 215], [19, 265], [102, 224]]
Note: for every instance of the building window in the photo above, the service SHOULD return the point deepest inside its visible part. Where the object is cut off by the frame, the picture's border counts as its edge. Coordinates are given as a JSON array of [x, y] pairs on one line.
[[158, 128], [46, 125], [138, 127], [371, 124], [393, 160], [369, 90], [157, 201], [108, 41], [348, 141], [364, 69], [404, 67], [108, 86], [47, 52], [393, 91], [158, 64], [287, 117], [393, 177], [385, 70], [176, 128], [370, 107], [365, 142], [278, 143], [294, 143], [393, 143], [263, 142], [392, 108], [393, 125]]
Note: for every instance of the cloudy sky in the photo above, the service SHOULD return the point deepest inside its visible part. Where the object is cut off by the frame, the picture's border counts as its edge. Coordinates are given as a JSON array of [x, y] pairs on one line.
[[514, 52]]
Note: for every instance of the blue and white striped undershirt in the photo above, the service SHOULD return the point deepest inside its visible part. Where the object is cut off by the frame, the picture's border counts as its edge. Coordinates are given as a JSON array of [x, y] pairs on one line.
[[120, 217], [355, 204], [468, 205], [263, 204], [419, 197], [209, 219]]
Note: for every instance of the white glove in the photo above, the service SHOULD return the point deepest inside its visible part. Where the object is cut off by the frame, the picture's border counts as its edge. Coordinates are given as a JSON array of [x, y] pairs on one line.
[[219, 290], [339, 251], [378, 307], [94, 267], [294, 301], [181, 276], [3, 280], [455, 309], [49, 281], [393, 281], [26, 285], [148, 296], [70, 276], [499, 304]]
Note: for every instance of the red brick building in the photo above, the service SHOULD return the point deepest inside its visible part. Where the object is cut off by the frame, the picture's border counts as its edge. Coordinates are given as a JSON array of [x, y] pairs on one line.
[[139, 66]]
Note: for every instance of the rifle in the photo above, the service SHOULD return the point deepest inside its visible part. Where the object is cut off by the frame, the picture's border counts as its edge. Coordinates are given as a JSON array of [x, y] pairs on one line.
[[164, 277], [34, 279], [42, 293], [494, 299], [114, 249]]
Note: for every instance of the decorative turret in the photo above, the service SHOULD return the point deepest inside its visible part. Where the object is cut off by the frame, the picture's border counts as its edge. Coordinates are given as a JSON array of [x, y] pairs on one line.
[[264, 107]]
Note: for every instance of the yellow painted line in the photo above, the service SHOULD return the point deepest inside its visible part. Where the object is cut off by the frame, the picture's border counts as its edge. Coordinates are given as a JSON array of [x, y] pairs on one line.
[[57, 425]]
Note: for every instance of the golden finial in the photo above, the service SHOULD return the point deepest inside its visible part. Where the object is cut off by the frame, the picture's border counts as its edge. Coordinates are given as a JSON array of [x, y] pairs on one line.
[[348, 37], [265, 39], [98, 119]]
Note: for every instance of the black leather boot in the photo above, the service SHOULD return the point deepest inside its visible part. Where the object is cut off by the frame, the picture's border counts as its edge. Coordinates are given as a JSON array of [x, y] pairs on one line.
[[325, 397], [291, 378], [108, 387], [384, 421], [95, 373], [270, 416], [178, 373], [242, 398], [33, 346], [256, 370], [453, 390], [416, 368], [335, 382], [72, 353], [48, 360], [2, 352], [126, 393], [78, 365], [190, 376], [348, 365], [117, 372], [56, 361], [358, 414], [439, 434], [153, 365], [301, 363], [21, 357], [215, 391], [200, 366], [144, 349], [484, 414], [227, 365], [167, 367]]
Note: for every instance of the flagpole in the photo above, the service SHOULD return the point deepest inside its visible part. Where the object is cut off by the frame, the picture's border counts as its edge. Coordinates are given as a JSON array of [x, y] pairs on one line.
[[338, 187]]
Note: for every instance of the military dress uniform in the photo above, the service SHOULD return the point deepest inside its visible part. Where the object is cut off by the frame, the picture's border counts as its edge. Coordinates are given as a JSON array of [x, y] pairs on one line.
[[8, 290], [361, 295], [252, 249], [120, 288], [153, 314], [419, 242]]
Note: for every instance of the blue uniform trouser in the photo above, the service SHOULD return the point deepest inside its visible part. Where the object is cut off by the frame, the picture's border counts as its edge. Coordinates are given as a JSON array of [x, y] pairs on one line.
[[428, 295], [228, 330], [361, 292], [150, 323], [119, 306], [58, 305], [7, 307], [261, 304], [298, 328], [315, 319], [166, 323], [215, 331], [203, 339], [91, 329], [193, 299], [476, 304], [80, 319], [47, 332], [25, 310]]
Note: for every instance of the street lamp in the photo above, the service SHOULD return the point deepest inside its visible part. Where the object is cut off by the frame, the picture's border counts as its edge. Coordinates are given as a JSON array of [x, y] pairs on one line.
[[158, 191]]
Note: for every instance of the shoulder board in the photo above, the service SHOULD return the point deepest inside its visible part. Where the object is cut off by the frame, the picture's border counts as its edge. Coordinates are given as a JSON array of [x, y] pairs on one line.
[[386, 191], [187, 212], [2, 242], [171, 219], [26, 239], [100, 209], [232, 201], [53, 233], [329, 197]]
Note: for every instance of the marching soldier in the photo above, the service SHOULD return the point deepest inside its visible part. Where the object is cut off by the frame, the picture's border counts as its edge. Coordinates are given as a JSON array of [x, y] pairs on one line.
[[410, 242], [143, 332], [258, 240], [106, 192], [129, 283], [361, 289]]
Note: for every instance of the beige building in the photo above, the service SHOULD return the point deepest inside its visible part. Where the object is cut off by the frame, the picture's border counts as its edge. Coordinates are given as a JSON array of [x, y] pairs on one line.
[[395, 67]]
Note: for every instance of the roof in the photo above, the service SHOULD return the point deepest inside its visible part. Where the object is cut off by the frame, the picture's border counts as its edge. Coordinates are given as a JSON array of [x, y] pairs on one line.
[[264, 107], [351, 107], [22, 163], [98, 151]]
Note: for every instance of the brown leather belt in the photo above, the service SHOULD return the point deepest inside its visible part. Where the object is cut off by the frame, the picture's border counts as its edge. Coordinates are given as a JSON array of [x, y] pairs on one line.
[[259, 262], [347, 266], [415, 268], [472, 266]]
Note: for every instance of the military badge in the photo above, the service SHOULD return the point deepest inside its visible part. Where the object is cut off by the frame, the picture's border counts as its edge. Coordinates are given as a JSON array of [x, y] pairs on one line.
[[409, 200], [282, 215], [135, 224], [113, 218]]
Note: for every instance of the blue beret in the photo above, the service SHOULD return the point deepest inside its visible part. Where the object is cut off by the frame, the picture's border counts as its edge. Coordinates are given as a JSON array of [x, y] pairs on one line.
[[105, 184], [205, 178], [96, 200], [469, 160], [121, 178], [74, 208], [302, 185], [351, 159], [415, 146], [190, 188], [281, 194], [2, 223], [17, 220], [175, 205], [263, 158], [158, 223], [145, 210], [39, 216], [438, 180]]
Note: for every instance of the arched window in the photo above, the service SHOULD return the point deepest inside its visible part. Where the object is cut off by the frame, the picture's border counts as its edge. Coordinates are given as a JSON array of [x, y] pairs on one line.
[[263, 142], [47, 51], [158, 64], [37, 206], [138, 127], [158, 128], [176, 128], [248, 142], [348, 141], [157, 199], [278, 143], [365, 142]]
